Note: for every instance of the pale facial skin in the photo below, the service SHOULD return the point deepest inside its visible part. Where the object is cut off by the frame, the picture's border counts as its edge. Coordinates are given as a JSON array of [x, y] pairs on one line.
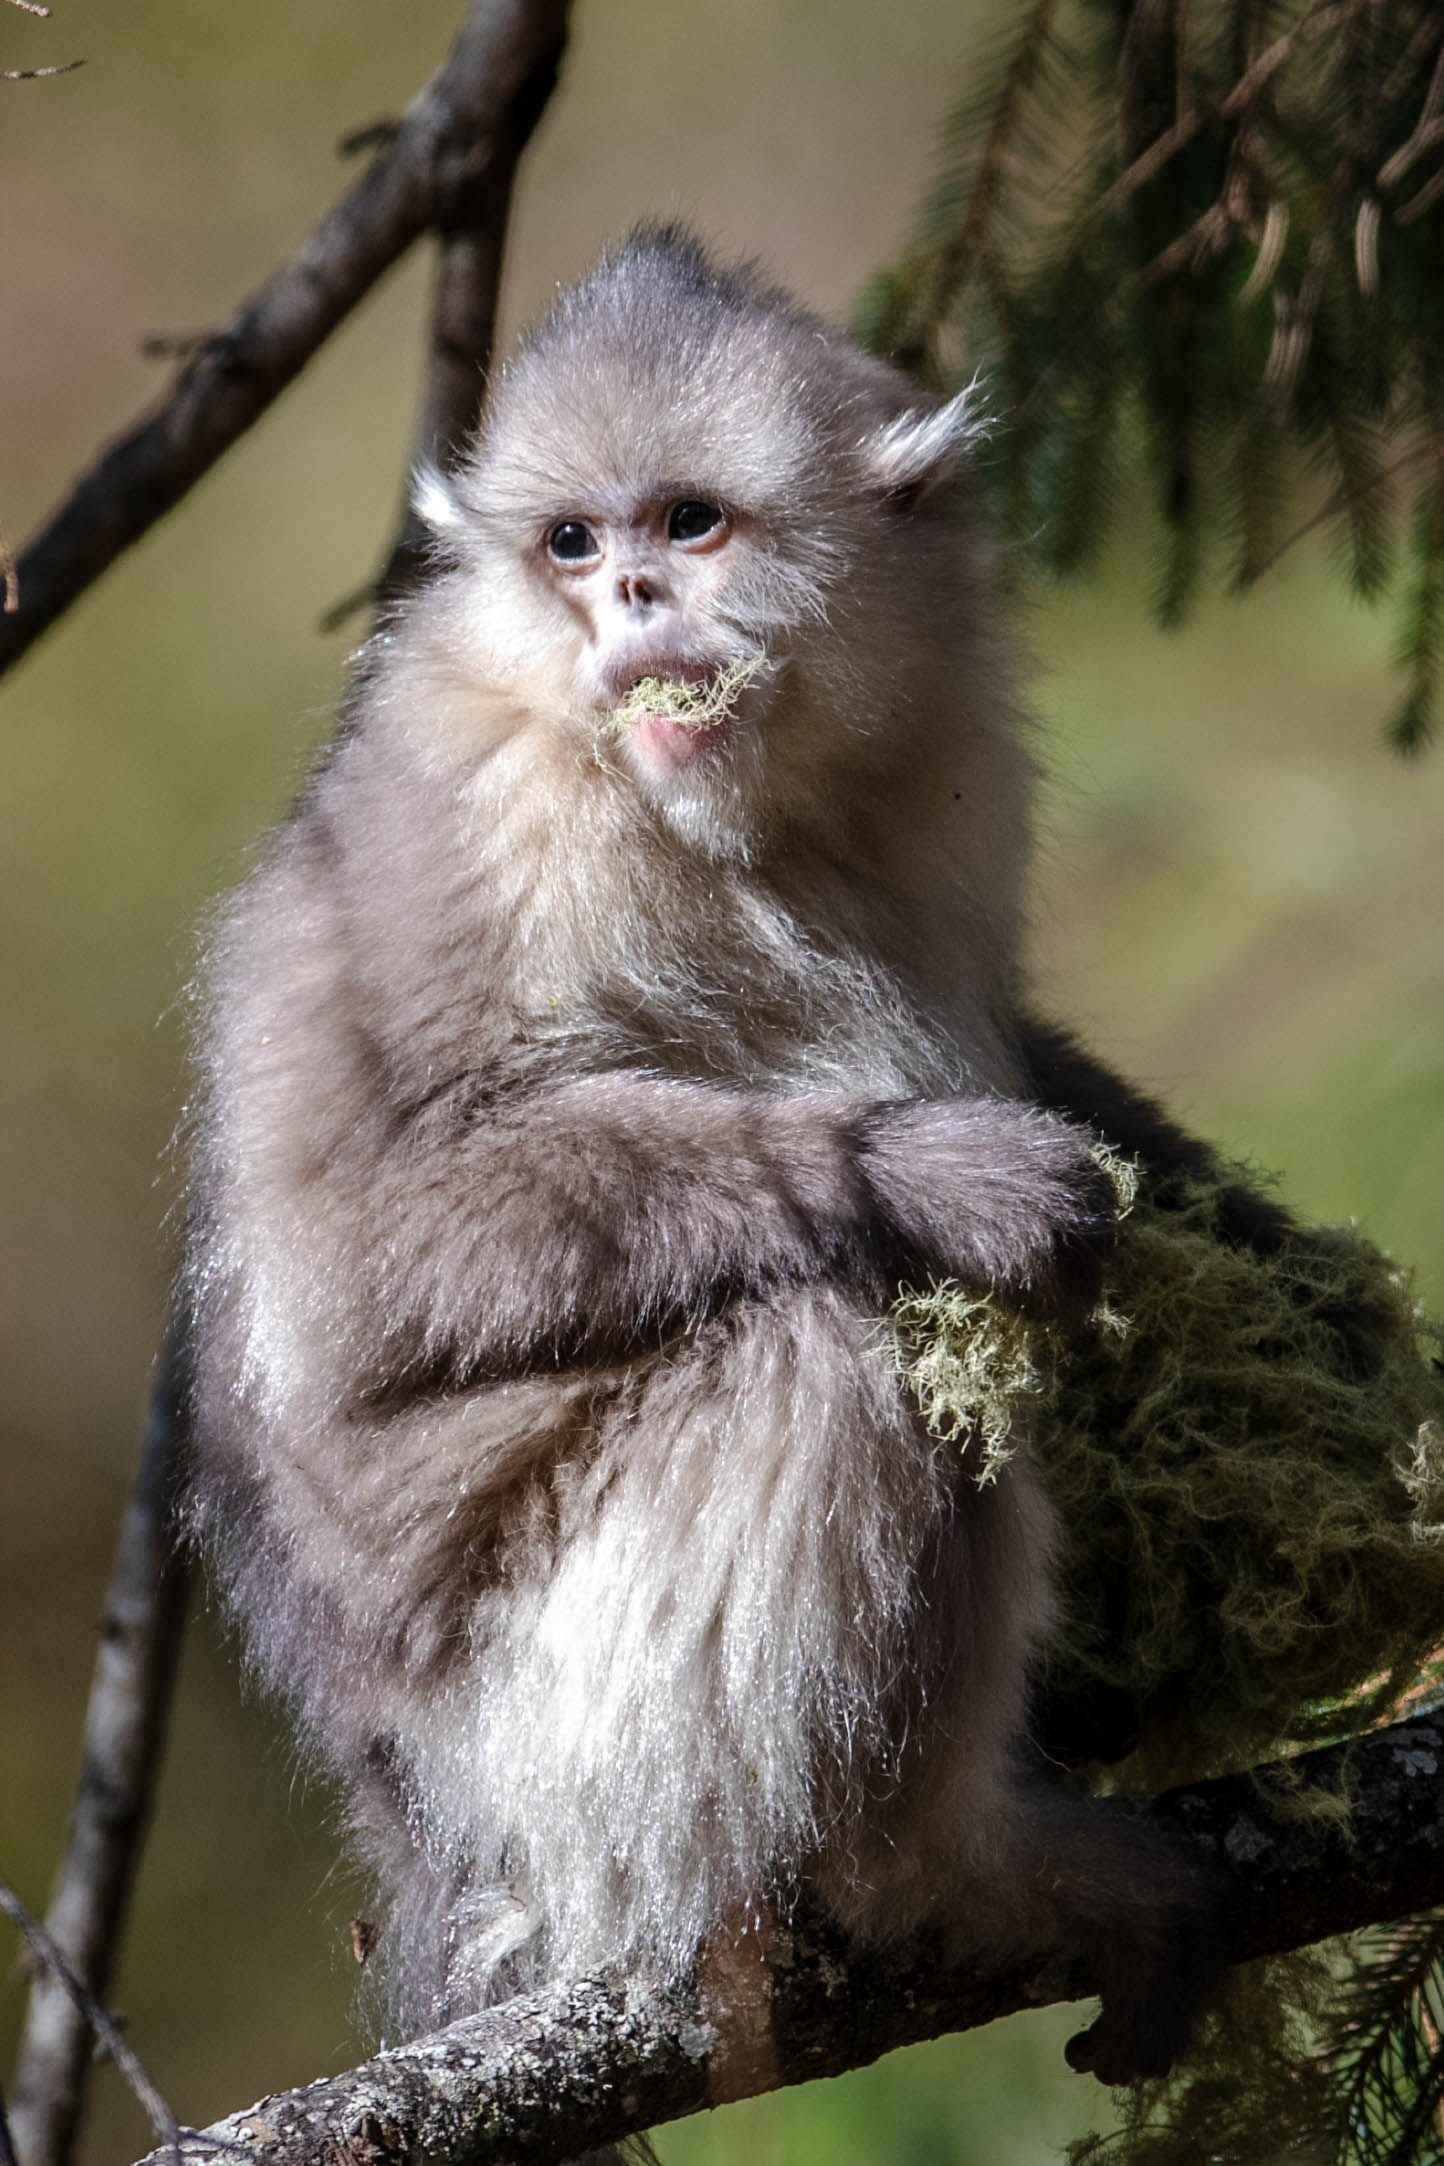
[[645, 582]]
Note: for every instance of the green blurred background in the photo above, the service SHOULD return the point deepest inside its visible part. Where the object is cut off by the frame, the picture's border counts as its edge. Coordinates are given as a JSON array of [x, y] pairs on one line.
[[1240, 899]]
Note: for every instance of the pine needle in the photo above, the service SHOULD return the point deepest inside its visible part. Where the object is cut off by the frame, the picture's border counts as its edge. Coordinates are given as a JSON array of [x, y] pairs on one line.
[[1228, 218]]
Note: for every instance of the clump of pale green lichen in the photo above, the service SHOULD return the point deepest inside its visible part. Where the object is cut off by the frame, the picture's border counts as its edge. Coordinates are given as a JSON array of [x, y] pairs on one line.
[[978, 1369], [697, 706], [1246, 1453]]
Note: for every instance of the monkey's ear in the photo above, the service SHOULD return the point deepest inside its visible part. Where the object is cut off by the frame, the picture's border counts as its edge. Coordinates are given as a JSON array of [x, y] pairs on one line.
[[433, 502], [917, 451]]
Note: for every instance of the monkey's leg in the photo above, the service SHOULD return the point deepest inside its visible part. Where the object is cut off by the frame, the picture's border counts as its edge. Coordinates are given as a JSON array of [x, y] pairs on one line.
[[685, 1660], [989, 1865], [1139, 1913]]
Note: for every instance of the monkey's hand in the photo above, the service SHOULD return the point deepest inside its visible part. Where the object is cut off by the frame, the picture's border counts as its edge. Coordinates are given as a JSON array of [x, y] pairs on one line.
[[987, 1190]]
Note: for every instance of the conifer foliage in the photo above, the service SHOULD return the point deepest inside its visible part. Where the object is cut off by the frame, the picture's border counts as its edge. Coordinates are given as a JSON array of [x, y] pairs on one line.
[[1206, 236]]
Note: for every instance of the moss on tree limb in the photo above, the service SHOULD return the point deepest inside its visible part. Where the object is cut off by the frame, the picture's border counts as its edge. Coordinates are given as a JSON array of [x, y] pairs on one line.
[[588, 2062]]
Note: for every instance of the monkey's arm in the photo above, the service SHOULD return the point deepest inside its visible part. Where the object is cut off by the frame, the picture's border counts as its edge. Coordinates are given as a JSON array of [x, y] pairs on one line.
[[581, 1219], [520, 1213]]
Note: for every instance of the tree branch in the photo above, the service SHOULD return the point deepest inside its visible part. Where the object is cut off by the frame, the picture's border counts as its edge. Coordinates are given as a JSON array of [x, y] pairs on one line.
[[98, 2022], [588, 2063], [472, 234], [449, 164], [140, 1638], [456, 144]]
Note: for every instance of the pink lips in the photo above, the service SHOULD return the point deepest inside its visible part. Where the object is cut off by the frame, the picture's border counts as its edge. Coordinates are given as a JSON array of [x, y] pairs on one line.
[[661, 740], [666, 743]]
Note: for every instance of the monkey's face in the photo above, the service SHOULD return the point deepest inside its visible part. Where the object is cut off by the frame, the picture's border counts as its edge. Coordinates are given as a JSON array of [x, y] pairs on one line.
[[711, 543], [672, 675], [657, 623]]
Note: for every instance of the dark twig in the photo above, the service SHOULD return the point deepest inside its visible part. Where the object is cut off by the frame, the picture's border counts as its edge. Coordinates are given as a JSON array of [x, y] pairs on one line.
[[472, 233], [463, 325], [124, 1728], [173, 345], [452, 138], [588, 2063], [375, 135], [471, 229], [96, 2021], [33, 75], [351, 604]]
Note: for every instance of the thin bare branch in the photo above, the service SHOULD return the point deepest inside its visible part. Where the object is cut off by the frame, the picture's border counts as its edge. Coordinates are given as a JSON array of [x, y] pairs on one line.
[[1426, 133], [339, 613], [472, 237], [98, 2023], [1417, 205], [1366, 245], [1148, 162], [1207, 235], [463, 333], [588, 2063], [10, 584], [173, 345], [452, 135], [1261, 71], [1426, 137], [125, 1723], [31, 7], [374, 135], [1270, 252], [33, 75], [1429, 31], [1336, 502]]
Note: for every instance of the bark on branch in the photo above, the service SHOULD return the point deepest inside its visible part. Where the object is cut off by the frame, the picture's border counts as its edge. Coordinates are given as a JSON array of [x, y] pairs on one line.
[[140, 1637], [586, 2063], [449, 168]]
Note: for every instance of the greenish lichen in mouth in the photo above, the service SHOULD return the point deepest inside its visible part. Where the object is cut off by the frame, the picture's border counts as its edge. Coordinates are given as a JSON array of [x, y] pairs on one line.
[[672, 699]]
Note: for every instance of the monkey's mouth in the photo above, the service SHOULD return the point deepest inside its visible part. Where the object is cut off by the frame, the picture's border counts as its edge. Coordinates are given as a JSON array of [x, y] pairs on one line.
[[677, 712]]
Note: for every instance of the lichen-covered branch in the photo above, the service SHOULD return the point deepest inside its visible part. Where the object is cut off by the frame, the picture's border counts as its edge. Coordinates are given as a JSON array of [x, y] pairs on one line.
[[140, 1636], [589, 2062], [455, 148]]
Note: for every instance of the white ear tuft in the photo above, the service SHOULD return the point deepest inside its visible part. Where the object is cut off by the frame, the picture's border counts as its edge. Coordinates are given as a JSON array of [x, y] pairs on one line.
[[917, 450], [433, 502]]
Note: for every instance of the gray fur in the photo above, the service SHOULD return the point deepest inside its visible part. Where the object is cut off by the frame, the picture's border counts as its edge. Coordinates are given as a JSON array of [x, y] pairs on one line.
[[565, 1121]]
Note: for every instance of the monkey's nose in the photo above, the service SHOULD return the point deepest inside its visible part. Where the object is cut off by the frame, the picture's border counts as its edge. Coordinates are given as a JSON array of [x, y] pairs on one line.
[[636, 591]]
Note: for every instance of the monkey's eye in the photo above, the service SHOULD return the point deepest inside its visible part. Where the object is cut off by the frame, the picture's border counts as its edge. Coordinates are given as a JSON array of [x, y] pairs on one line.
[[572, 543], [692, 520]]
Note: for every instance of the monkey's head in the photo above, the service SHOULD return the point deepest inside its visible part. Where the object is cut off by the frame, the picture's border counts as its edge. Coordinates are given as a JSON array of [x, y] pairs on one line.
[[716, 543]]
